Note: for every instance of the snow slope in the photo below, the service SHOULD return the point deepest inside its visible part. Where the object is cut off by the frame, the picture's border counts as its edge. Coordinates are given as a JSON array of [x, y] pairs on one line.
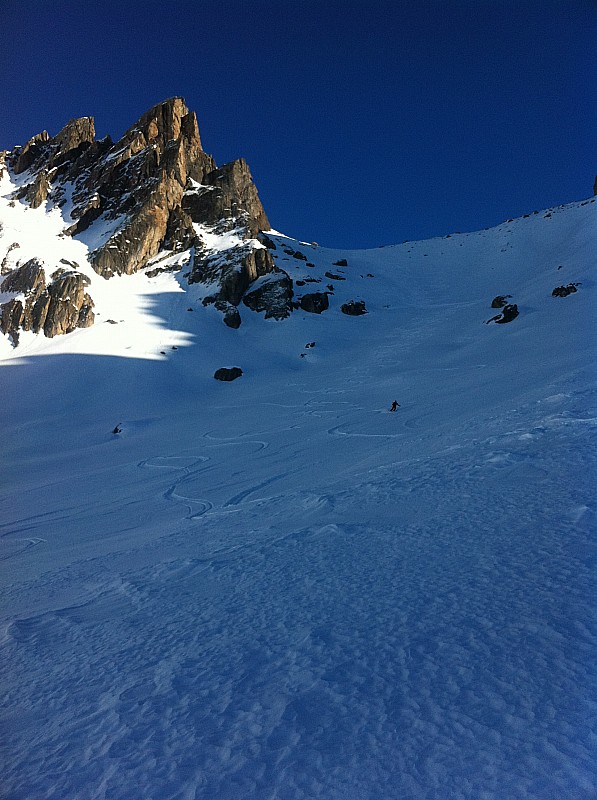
[[275, 588]]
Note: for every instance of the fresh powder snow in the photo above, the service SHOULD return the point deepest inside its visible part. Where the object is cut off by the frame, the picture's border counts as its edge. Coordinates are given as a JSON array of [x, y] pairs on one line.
[[275, 588]]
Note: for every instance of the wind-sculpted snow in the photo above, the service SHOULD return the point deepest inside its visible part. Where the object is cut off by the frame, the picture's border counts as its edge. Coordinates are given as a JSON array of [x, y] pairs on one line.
[[276, 588]]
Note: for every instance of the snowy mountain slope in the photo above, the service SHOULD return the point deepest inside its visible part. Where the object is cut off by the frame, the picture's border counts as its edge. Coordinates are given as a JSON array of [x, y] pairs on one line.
[[275, 588]]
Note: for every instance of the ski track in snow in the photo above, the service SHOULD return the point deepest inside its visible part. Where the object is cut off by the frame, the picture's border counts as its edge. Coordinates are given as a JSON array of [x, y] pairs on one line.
[[277, 589]]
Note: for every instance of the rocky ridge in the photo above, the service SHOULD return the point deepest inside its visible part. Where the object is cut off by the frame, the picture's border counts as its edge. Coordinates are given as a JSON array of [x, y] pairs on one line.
[[152, 193]]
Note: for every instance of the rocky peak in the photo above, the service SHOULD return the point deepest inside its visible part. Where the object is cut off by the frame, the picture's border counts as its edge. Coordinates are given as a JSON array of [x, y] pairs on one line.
[[41, 152], [74, 134], [150, 191], [23, 157], [164, 122]]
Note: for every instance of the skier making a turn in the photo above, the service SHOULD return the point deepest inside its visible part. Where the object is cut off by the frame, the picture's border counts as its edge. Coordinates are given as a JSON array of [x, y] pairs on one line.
[[395, 405]]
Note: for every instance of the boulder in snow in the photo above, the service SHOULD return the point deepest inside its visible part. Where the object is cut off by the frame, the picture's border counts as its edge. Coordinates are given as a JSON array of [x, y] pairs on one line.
[[315, 303], [354, 308], [228, 373]]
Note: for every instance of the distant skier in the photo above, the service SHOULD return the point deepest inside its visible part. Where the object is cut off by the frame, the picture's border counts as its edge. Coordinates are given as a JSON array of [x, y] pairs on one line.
[[395, 405]]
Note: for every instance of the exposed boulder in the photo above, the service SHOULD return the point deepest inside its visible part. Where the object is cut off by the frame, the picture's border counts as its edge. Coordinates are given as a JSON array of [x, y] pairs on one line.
[[296, 254], [228, 373], [509, 313], [315, 302], [500, 301], [564, 291], [273, 294], [342, 262], [332, 276], [231, 313], [354, 308]]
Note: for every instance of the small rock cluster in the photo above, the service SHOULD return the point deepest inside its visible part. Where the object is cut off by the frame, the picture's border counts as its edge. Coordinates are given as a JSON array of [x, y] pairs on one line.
[[564, 291]]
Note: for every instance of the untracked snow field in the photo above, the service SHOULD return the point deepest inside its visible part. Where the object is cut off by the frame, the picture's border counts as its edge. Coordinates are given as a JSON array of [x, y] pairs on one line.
[[275, 588]]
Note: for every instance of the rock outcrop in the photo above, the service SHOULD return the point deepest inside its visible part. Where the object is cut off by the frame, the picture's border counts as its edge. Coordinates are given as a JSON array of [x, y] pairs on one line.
[[227, 198], [55, 308]]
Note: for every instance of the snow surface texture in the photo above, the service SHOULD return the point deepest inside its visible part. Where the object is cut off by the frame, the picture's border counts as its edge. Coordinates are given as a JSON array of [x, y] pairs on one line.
[[276, 589]]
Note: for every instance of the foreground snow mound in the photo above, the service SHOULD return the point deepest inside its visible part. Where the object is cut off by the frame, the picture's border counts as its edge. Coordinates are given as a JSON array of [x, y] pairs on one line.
[[273, 587]]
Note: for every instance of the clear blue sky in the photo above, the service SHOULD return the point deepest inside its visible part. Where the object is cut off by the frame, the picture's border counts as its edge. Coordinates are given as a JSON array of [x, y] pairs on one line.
[[364, 122]]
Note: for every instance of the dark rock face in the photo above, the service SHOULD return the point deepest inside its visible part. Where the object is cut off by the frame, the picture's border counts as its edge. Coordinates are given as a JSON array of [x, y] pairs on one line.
[[342, 262], [564, 291], [354, 308], [272, 294], [332, 276], [180, 234], [56, 308], [228, 196], [228, 373], [37, 192], [315, 303]]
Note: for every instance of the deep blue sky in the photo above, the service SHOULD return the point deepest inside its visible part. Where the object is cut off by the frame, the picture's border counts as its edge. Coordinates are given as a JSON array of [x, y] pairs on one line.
[[364, 122]]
